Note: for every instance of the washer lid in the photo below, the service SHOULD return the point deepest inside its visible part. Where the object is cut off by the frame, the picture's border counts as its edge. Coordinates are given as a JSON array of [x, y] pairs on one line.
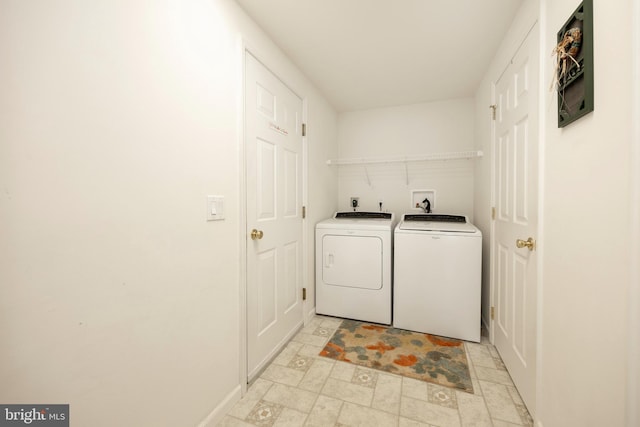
[[436, 222]]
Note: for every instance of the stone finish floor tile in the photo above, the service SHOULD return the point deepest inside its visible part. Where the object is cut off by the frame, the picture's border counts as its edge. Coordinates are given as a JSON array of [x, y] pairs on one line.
[[312, 351], [331, 322], [414, 388], [255, 393], [473, 411], [500, 423], [301, 388], [443, 396], [480, 355], [387, 393], [430, 413], [264, 414], [282, 374], [303, 338], [499, 402], [323, 332], [325, 412], [406, 422], [291, 397], [348, 392], [287, 353], [290, 418], [343, 371], [360, 416], [493, 375], [365, 377], [316, 376], [229, 421]]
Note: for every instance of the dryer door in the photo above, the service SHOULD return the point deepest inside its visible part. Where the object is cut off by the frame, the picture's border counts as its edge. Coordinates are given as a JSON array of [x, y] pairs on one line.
[[352, 261]]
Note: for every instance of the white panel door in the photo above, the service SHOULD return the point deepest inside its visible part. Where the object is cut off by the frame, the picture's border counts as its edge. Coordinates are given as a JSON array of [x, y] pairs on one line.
[[516, 199], [273, 146]]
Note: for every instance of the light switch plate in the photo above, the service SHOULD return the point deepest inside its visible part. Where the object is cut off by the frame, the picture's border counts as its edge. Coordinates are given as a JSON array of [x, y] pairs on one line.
[[215, 208]]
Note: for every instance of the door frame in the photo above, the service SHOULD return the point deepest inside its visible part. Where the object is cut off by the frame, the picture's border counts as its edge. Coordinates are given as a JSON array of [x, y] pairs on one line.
[[539, 177], [244, 48], [633, 385], [540, 202]]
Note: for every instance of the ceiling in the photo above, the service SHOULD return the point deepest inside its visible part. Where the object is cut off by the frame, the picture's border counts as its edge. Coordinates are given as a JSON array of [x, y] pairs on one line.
[[365, 54]]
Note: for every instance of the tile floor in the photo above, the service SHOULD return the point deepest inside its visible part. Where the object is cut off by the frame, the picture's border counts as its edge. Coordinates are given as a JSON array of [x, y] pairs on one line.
[[301, 388]]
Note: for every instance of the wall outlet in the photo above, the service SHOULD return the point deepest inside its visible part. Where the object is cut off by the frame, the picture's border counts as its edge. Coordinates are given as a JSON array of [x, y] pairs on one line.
[[354, 202], [417, 197]]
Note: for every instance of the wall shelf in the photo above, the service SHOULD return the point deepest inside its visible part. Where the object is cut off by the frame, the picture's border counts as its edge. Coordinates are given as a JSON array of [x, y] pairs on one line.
[[456, 155]]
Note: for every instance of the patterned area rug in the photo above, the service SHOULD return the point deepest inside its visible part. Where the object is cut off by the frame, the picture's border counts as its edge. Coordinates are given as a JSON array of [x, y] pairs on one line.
[[422, 356]]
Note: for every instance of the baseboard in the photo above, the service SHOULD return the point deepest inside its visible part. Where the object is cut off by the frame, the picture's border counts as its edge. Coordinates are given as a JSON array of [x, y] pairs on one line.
[[485, 326], [221, 410], [310, 315]]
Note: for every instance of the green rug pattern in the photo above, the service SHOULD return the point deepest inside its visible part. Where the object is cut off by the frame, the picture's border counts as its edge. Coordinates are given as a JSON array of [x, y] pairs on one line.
[[422, 356]]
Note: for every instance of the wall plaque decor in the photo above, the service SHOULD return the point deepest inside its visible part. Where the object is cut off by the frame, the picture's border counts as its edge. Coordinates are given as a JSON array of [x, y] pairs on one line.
[[573, 79]]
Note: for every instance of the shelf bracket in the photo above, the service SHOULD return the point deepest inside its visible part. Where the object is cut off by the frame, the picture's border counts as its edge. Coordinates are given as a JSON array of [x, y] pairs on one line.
[[366, 172]]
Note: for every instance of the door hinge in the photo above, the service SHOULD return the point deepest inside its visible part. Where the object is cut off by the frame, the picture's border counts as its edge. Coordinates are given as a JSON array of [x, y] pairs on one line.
[[493, 111], [493, 213], [304, 294], [493, 313], [304, 212], [304, 129]]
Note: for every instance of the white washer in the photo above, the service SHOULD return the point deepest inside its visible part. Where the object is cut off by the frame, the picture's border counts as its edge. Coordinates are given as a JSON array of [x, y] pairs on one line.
[[437, 276], [354, 266]]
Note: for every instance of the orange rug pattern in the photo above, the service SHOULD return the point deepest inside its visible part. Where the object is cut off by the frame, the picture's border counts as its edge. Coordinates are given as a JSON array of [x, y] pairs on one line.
[[425, 357]]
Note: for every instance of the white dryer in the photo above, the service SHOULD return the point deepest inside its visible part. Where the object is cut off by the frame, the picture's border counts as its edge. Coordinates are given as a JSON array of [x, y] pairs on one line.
[[437, 276], [353, 266]]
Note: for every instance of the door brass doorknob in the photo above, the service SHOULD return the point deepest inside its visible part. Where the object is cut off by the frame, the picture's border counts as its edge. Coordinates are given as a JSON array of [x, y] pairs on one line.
[[529, 243], [256, 234]]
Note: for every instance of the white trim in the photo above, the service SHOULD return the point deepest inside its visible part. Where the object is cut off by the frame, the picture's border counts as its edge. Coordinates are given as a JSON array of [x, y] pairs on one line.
[[305, 202], [542, 125], [633, 358], [486, 326], [492, 239], [221, 410], [309, 317], [242, 211]]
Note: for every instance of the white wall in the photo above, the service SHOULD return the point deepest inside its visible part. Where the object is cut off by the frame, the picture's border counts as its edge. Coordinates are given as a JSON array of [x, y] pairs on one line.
[[633, 382], [116, 120], [587, 233], [322, 201], [410, 130]]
